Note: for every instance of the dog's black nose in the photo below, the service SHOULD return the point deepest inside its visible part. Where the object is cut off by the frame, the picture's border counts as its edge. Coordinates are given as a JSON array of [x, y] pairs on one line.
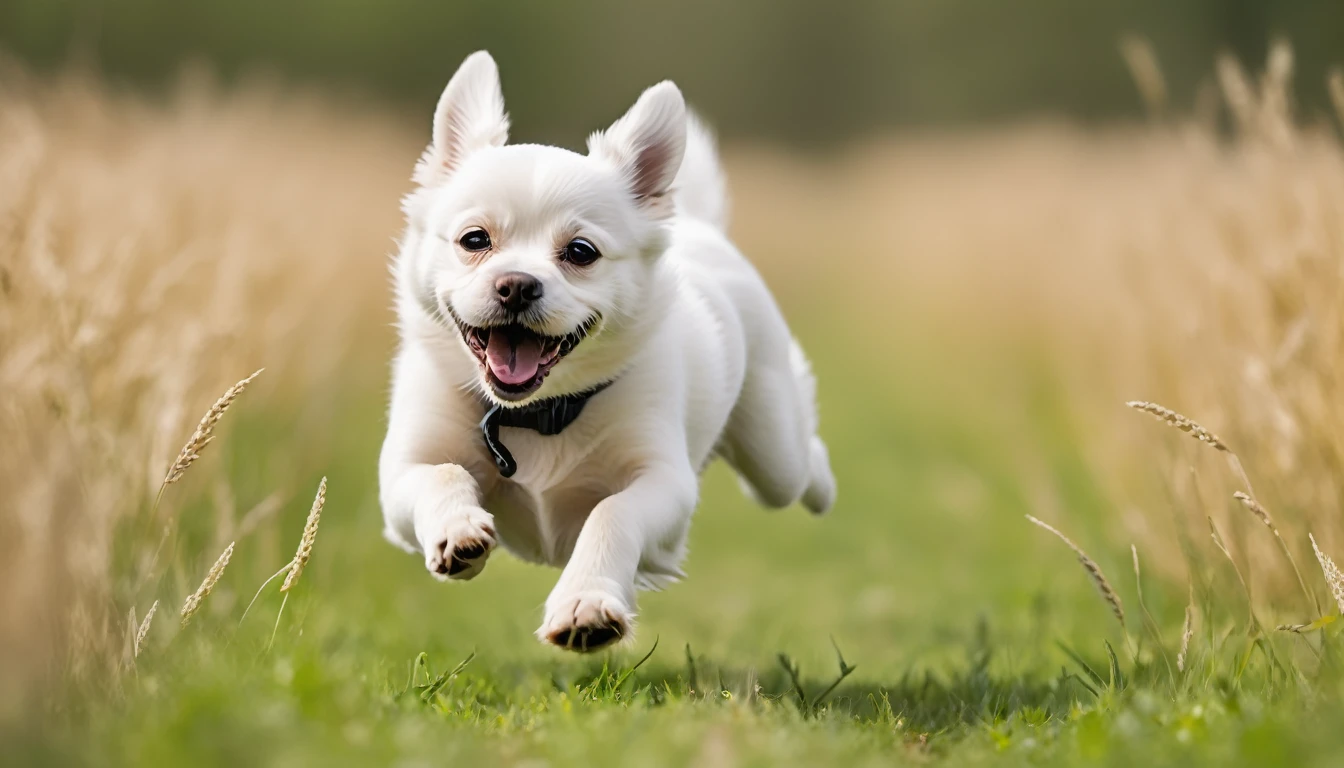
[[517, 290]]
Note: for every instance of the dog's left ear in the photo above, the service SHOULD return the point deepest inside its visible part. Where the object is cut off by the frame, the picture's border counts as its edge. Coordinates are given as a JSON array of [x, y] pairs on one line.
[[470, 116], [646, 145]]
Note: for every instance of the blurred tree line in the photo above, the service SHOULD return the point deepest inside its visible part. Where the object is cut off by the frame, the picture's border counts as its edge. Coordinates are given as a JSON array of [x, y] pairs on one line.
[[798, 70]]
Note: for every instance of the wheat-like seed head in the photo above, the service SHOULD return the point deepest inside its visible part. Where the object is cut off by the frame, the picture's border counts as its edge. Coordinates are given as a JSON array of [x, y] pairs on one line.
[[205, 430], [1256, 509], [1174, 419], [144, 628], [1279, 64], [1147, 73], [1333, 576], [1237, 91], [1336, 86], [1247, 500], [193, 603], [1108, 593], [309, 536], [1187, 631], [1277, 81]]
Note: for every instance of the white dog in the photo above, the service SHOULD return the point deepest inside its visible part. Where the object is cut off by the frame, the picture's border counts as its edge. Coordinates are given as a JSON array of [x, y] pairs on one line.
[[579, 339]]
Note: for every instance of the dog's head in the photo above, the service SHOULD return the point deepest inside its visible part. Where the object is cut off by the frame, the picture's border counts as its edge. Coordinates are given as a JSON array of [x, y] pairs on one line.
[[540, 259]]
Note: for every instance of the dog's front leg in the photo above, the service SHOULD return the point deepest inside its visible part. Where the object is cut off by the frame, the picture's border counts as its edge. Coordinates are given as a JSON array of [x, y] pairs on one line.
[[592, 606], [439, 505]]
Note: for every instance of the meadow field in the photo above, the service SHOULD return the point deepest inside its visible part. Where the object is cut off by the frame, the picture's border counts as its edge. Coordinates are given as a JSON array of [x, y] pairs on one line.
[[979, 308]]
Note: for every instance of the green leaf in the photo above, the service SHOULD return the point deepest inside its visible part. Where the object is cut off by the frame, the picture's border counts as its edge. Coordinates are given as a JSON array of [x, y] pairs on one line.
[[621, 680], [1117, 677], [1092, 673], [1302, 629]]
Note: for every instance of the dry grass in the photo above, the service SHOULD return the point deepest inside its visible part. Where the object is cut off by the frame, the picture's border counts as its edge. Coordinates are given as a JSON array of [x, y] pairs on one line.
[[1334, 578], [142, 632], [1234, 294], [147, 254], [305, 550], [1147, 73], [1172, 261], [1093, 570], [1200, 270], [205, 431], [1183, 423], [1187, 633], [194, 600]]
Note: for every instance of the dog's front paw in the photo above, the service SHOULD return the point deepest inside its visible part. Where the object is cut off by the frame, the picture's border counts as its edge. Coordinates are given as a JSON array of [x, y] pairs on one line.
[[460, 544], [586, 621]]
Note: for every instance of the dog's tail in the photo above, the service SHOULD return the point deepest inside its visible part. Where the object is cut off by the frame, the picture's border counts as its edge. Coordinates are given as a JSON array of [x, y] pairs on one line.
[[699, 190]]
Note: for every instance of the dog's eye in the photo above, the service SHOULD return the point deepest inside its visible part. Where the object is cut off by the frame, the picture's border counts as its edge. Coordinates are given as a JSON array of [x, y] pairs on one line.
[[474, 240], [580, 252]]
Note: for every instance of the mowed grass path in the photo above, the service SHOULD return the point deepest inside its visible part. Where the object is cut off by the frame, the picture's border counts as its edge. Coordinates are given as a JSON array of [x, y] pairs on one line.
[[925, 576]]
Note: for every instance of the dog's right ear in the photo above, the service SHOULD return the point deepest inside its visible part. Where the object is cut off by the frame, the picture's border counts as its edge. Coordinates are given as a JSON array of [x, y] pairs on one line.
[[470, 116]]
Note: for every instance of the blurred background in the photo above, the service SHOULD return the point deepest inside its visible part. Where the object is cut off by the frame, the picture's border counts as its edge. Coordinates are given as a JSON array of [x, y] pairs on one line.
[[811, 73], [989, 223]]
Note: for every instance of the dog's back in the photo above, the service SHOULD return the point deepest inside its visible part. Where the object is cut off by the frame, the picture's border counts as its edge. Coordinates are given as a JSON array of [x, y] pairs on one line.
[[770, 437]]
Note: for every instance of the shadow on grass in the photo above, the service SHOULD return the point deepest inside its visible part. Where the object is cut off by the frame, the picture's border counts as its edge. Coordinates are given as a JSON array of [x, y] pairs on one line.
[[921, 701]]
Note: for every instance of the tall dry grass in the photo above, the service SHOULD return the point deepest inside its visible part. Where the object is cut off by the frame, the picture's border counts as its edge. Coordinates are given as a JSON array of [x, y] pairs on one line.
[[151, 254], [1234, 287], [1195, 260]]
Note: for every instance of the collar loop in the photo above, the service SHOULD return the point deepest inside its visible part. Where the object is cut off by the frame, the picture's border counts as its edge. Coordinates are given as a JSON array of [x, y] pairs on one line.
[[545, 417]]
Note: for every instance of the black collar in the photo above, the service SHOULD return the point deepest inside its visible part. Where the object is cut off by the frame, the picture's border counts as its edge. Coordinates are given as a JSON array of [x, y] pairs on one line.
[[546, 417]]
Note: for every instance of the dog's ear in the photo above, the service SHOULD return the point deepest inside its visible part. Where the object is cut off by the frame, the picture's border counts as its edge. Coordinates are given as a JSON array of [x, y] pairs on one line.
[[646, 145], [470, 116]]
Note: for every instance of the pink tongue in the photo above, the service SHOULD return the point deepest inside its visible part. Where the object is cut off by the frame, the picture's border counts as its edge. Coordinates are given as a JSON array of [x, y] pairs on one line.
[[514, 357]]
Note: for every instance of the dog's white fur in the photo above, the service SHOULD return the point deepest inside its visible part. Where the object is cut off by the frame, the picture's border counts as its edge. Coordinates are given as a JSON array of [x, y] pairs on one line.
[[701, 360]]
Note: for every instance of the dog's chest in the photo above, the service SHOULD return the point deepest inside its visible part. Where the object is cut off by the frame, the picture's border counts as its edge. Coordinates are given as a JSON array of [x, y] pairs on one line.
[[560, 478]]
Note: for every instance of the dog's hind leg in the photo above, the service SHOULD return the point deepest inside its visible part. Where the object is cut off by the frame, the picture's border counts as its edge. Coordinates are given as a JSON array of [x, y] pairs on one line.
[[771, 439], [820, 492]]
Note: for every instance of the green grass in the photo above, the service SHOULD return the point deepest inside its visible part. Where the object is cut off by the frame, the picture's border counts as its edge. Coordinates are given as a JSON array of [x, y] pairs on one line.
[[952, 610]]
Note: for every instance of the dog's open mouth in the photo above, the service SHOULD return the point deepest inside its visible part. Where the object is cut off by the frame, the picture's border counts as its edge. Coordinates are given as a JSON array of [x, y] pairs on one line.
[[515, 358]]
